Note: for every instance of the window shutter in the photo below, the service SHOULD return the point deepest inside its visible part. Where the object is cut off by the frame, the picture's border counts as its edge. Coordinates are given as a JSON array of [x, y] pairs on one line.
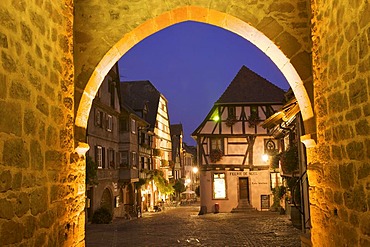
[[103, 157]]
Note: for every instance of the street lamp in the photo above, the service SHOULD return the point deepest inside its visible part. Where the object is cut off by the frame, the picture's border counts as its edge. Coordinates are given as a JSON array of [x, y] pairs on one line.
[[195, 170]]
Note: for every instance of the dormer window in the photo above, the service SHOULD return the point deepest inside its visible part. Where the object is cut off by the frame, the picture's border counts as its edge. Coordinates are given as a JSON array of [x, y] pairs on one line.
[[145, 111], [231, 112]]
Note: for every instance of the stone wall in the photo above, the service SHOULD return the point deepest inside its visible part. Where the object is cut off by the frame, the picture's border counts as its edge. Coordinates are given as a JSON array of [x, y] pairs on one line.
[[339, 166], [41, 180]]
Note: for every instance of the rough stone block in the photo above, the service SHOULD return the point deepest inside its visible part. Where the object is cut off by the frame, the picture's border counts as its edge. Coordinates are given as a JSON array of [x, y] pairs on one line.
[[30, 224], [53, 159], [19, 91], [3, 86], [302, 63], [357, 92], [17, 181], [37, 158], [355, 199], [10, 121], [354, 219], [365, 224], [354, 114], [15, 154], [363, 171], [40, 239], [8, 62], [29, 122], [288, 43], [355, 151], [5, 180], [6, 209], [8, 230], [346, 173], [39, 200], [337, 102], [362, 128], [42, 105], [22, 204], [338, 197], [47, 219]]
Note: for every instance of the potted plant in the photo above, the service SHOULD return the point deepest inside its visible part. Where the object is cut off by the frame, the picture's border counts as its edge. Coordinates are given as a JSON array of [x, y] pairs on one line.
[[253, 120], [289, 159], [231, 120], [216, 155]]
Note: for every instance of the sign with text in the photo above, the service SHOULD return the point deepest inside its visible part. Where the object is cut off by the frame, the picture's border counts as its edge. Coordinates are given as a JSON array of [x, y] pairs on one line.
[[239, 173]]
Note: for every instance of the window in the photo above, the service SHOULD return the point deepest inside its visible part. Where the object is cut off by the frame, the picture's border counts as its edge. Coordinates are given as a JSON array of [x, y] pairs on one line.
[[216, 143], [123, 124], [99, 156], [142, 163], [254, 112], [275, 179], [123, 159], [133, 126], [111, 90], [133, 159], [111, 162], [98, 117], [219, 186], [231, 112], [109, 123]]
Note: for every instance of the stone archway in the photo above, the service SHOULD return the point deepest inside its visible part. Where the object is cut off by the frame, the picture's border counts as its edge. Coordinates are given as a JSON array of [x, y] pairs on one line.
[[51, 49], [285, 57], [294, 51]]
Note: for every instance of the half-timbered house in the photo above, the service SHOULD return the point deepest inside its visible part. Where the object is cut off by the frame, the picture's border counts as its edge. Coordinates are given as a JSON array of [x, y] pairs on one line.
[[231, 145]]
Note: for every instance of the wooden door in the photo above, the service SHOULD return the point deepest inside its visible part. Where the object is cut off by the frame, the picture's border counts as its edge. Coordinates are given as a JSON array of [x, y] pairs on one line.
[[244, 188]]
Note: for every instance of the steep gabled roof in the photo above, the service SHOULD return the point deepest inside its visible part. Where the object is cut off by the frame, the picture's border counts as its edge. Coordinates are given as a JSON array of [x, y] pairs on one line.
[[136, 94], [249, 87]]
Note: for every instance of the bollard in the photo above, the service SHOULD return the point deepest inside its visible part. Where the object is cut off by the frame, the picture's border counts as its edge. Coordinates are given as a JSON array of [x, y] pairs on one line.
[[217, 208]]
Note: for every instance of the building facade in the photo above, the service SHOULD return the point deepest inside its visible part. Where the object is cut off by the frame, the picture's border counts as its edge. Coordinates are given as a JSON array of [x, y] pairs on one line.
[[153, 139], [103, 190], [287, 127], [231, 145]]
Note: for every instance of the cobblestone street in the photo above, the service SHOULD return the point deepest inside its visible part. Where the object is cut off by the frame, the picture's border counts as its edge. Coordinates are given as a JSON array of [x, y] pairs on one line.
[[182, 226]]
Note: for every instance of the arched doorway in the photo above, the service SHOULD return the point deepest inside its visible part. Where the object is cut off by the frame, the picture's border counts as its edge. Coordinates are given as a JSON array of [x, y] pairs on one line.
[[107, 200]]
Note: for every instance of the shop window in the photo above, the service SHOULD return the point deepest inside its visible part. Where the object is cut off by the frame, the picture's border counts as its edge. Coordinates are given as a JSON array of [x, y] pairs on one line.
[[219, 186]]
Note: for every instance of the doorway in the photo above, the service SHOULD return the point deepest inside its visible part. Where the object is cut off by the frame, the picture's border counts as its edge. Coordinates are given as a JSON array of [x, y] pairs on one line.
[[244, 189]]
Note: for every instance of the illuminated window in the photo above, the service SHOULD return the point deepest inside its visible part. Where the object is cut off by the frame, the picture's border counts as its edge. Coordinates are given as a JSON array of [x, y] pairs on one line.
[[133, 126], [99, 156], [276, 179], [219, 186], [109, 123]]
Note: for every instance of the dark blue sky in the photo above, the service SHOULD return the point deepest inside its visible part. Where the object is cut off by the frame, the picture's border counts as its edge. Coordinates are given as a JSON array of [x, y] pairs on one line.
[[192, 64]]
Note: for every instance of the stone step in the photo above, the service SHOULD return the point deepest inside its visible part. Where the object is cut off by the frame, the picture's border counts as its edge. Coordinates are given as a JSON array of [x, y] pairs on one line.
[[243, 210]]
